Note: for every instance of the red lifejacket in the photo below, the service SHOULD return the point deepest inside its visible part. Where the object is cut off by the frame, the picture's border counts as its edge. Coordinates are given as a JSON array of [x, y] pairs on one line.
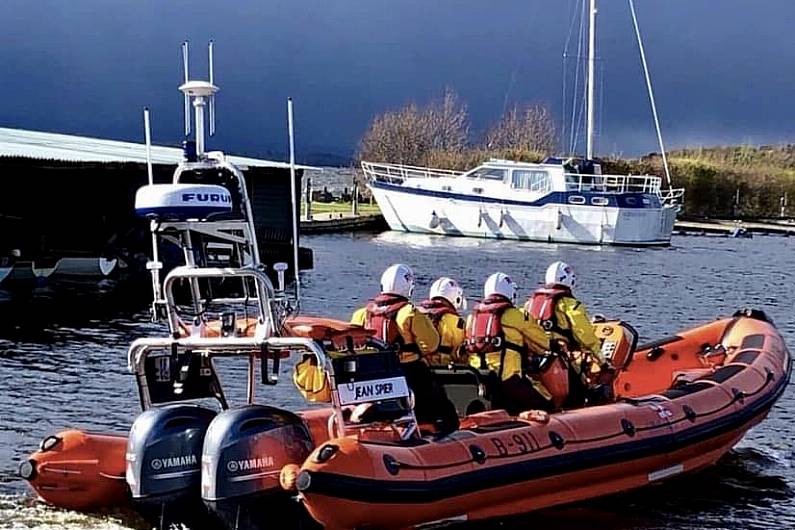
[[381, 318], [436, 308], [541, 307], [484, 333]]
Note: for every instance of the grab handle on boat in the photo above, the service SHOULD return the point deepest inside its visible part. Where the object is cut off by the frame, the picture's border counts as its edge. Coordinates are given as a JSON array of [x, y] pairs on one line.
[[269, 377]]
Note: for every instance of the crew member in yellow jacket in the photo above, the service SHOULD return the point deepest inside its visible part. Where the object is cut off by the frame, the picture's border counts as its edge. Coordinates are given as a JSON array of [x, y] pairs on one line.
[[502, 339], [556, 309], [396, 321], [444, 305]]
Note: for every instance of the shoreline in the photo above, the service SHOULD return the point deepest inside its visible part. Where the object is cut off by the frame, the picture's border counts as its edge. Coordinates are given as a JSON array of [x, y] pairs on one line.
[[331, 222]]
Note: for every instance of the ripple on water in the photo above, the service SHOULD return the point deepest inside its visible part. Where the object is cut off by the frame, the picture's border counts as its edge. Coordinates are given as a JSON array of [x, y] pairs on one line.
[[18, 511]]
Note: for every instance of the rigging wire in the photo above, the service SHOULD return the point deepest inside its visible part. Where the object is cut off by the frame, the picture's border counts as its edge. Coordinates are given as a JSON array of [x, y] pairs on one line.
[[565, 72], [651, 93], [574, 130]]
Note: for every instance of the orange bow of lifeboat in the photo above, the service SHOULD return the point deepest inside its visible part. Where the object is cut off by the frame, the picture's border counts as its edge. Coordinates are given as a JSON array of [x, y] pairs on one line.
[[682, 403], [78, 470]]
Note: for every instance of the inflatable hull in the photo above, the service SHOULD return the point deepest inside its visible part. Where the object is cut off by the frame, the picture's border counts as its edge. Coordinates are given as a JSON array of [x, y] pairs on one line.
[[683, 403], [86, 471], [79, 471]]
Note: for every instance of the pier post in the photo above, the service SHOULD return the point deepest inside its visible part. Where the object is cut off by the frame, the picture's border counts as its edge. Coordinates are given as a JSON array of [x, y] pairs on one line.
[[783, 203], [308, 200], [355, 200]]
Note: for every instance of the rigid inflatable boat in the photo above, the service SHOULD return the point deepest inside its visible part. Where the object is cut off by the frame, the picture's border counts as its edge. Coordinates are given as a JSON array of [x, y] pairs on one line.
[[680, 404], [86, 471], [215, 304]]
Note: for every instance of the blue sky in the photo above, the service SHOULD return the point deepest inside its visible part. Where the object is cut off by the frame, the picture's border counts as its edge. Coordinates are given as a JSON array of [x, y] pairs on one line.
[[723, 70]]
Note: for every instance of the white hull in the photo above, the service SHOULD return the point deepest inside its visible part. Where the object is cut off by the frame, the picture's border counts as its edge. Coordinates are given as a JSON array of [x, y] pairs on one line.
[[409, 211]]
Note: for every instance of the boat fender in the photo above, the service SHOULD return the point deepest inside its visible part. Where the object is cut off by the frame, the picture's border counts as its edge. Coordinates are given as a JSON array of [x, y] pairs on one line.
[[434, 220], [557, 440], [478, 454], [628, 427], [391, 464], [655, 353]]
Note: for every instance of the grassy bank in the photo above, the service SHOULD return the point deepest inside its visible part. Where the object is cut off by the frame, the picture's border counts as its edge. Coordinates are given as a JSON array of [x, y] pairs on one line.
[[325, 208], [742, 181]]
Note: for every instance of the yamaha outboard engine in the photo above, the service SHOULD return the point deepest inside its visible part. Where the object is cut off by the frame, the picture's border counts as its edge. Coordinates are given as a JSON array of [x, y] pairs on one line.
[[164, 464], [244, 452]]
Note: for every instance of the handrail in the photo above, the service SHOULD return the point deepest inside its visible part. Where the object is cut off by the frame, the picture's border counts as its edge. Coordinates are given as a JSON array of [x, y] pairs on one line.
[[399, 172], [261, 280], [214, 347], [613, 183], [606, 183]]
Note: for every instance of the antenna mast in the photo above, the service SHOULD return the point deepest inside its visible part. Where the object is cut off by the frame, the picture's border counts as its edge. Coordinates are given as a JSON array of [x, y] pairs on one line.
[[293, 195], [200, 93], [155, 265], [591, 60], [186, 78], [212, 82]]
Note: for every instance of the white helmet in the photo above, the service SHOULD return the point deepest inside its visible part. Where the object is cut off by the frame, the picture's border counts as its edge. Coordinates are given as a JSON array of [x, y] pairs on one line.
[[500, 283], [398, 279], [449, 289], [561, 273]]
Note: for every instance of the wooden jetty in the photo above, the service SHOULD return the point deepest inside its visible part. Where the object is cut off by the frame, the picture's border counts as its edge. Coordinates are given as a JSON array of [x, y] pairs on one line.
[[341, 222], [733, 228]]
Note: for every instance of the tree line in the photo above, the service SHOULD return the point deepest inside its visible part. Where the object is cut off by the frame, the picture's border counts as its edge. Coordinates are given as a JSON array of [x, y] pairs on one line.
[[727, 181]]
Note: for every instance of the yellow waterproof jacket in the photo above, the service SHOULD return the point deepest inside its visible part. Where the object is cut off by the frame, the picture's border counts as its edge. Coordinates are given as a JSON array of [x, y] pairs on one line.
[[519, 330], [451, 337], [571, 316], [414, 327]]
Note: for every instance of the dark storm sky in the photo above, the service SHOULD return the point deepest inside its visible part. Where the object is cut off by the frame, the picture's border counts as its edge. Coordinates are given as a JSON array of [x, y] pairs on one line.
[[723, 70]]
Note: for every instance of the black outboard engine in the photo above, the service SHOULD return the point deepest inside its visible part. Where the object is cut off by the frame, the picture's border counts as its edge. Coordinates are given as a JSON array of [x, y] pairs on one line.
[[164, 464], [244, 452]]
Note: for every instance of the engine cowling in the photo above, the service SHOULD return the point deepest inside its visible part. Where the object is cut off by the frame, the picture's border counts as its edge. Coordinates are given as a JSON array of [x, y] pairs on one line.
[[244, 452]]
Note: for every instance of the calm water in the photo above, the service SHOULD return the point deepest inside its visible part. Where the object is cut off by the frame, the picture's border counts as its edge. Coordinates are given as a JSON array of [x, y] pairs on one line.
[[63, 364]]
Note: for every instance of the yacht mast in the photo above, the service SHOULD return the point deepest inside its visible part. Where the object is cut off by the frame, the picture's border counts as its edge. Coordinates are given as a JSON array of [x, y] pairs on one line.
[[591, 59]]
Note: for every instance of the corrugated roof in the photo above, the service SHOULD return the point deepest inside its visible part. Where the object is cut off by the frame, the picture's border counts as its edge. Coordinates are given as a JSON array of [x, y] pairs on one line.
[[69, 148]]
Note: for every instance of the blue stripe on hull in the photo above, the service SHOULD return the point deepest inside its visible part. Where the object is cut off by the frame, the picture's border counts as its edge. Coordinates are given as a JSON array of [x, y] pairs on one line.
[[615, 200]]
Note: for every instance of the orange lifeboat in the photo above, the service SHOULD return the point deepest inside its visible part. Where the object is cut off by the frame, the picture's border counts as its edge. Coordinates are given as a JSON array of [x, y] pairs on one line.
[[681, 403], [86, 471]]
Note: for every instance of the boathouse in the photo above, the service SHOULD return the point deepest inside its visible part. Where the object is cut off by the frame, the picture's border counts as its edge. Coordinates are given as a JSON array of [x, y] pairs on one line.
[[67, 203]]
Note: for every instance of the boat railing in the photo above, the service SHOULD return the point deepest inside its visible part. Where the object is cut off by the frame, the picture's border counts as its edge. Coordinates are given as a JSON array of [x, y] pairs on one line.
[[613, 183], [672, 196], [248, 347], [398, 173], [265, 299]]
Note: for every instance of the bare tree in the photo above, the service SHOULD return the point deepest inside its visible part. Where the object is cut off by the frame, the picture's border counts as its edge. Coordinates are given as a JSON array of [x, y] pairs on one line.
[[529, 128], [407, 135]]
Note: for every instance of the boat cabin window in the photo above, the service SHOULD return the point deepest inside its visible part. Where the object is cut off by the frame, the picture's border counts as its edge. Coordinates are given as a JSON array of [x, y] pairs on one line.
[[488, 173], [524, 179]]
